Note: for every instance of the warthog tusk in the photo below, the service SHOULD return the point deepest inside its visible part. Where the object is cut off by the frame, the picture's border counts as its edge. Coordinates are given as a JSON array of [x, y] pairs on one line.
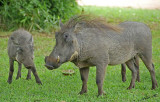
[[16, 57], [58, 59], [74, 55]]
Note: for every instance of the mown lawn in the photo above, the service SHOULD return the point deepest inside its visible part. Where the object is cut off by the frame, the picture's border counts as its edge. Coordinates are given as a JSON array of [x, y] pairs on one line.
[[59, 88]]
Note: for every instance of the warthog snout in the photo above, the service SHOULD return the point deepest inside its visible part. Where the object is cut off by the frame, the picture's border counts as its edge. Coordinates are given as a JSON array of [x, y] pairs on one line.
[[51, 63], [28, 67], [28, 63]]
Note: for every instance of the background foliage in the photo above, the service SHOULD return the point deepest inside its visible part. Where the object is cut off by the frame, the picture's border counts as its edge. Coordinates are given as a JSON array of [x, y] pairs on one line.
[[41, 15]]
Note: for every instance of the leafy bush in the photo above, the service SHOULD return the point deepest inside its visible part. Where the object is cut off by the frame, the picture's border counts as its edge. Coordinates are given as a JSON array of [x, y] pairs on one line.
[[41, 15]]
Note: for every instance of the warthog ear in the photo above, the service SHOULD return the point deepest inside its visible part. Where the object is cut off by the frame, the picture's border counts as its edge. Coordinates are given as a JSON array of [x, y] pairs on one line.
[[14, 41], [61, 24], [77, 28], [56, 33], [30, 40]]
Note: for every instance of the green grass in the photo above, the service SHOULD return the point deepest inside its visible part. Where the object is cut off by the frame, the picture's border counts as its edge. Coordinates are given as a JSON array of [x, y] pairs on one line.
[[59, 88]]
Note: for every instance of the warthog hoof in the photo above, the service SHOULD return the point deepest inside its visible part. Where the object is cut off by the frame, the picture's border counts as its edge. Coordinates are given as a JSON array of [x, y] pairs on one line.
[[39, 82], [131, 86], [101, 95], [9, 81], [82, 92], [138, 79], [18, 76], [28, 77], [123, 79], [154, 86]]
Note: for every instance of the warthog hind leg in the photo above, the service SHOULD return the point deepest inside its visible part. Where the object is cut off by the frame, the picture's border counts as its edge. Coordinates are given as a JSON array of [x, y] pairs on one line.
[[132, 67]]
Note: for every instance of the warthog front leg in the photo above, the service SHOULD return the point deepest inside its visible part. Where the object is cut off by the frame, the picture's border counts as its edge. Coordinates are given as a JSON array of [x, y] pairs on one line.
[[100, 75], [84, 77], [36, 75], [123, 72], [19, 70], [11, 70], [29, 74], [132, 67]]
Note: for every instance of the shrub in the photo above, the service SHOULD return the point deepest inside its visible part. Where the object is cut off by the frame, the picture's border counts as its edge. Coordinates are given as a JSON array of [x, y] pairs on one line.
[[41, 15]]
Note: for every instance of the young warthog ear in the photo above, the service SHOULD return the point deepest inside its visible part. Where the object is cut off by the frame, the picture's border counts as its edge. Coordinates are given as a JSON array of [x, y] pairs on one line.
[[14, 41], [56, 33], [61, 24], [30, 40], [77, 28]]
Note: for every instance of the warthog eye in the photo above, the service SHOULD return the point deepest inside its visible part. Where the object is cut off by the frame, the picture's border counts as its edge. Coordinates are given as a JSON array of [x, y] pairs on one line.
[[65, 36]]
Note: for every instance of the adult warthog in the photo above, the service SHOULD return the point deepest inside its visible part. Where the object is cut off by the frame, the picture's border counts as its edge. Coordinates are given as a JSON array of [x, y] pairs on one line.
[[20, 49], [89, 41]]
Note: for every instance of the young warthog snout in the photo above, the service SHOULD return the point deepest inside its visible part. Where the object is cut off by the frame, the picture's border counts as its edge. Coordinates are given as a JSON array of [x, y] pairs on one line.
[[28, 63]]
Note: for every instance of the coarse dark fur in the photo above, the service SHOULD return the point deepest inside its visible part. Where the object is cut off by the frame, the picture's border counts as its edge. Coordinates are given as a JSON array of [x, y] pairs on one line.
[[89, 22], [87, 41]]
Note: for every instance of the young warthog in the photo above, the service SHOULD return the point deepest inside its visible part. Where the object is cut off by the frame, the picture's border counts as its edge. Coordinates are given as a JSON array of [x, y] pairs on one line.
[[20, 49], [87, 41]]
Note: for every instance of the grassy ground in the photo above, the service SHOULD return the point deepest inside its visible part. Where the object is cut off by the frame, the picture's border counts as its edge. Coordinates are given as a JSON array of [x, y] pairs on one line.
[[59, 88]]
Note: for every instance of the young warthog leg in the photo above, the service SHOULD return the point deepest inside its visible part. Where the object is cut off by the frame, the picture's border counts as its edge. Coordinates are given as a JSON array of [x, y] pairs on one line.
[[36, 75], [131, 66], [11, 70], [19, 70], [29, 74], [84, 77], [100, 75], [123, 72]]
